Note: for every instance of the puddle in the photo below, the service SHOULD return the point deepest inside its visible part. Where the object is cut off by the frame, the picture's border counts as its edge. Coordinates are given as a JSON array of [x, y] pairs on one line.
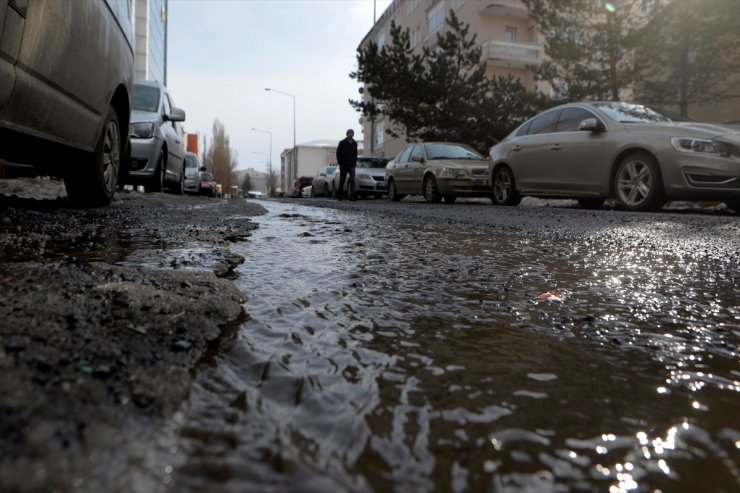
[[410, 357]]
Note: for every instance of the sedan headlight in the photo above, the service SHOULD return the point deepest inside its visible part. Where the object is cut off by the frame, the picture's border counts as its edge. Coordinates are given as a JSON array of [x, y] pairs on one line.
[[143, 130], [704, 146], [453, 173], [363, 176]]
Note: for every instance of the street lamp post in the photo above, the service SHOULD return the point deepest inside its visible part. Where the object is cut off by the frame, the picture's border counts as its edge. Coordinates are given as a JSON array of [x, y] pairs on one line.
[[292, 96], [295, 151], [269, 158]]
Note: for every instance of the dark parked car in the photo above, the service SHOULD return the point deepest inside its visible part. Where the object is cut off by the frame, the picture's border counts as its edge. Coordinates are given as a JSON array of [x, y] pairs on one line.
[[300, 184], [157, 152], [66, 76], [593, 151], [208, 184]]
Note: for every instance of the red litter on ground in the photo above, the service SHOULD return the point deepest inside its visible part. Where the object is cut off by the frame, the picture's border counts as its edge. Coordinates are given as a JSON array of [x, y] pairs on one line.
[[550, 296]]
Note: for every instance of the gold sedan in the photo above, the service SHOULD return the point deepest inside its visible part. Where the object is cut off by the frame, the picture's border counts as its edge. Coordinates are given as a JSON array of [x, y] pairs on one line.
[[437, 170]]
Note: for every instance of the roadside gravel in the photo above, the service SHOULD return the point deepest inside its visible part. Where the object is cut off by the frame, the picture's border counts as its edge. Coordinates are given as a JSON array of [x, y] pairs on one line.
[[105, 315]]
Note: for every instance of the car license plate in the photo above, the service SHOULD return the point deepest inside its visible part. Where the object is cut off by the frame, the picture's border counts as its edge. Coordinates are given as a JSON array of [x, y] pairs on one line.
[[480, 182]]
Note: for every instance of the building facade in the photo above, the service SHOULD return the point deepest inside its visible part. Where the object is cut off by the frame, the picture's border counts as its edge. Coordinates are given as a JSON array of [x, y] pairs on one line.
[[150, 39], [510, 42], [507, 36]]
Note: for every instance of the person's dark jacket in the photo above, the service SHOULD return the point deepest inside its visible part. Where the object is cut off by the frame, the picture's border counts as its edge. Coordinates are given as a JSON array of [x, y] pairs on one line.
[[347, 153]]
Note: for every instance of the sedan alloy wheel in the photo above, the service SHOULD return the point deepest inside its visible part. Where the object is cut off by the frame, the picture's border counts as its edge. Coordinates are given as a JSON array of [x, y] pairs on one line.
[[431, 193], [637, 183], [504, 189]]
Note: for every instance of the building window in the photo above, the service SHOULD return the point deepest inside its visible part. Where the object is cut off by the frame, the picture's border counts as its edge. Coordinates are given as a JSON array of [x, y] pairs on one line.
[[510, 35], [379, 134], [436, 16], [531, 35], [381, 39], [414, 38], [411, 5]]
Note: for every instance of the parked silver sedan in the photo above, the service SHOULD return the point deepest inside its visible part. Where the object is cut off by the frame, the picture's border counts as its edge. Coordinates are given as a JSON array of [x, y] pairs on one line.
[[369, 177], [438, 170], [157, 151], [594, 151], [322, 184]]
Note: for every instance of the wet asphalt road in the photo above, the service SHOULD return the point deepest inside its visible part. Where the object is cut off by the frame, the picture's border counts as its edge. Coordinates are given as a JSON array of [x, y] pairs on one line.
[[419, 347], [385, 347]]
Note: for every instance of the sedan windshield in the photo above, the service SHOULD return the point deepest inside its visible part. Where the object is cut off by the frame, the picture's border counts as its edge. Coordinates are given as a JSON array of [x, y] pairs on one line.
[[146, 98], [206, 177], [631, 113], [450, 151]]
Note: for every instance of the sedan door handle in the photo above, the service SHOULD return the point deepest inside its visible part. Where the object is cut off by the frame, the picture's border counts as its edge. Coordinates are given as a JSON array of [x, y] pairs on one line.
[[555, 147], [516, 148]]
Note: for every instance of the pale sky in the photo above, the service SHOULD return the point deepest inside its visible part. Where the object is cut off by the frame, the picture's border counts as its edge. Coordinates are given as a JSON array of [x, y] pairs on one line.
[[223, 54]]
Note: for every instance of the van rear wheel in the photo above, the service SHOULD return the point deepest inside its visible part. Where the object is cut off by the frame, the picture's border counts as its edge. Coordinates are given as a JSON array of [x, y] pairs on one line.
[[93, 182]]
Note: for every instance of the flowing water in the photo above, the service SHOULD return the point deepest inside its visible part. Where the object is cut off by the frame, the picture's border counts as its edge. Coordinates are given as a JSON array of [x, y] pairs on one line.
[[411, 357]]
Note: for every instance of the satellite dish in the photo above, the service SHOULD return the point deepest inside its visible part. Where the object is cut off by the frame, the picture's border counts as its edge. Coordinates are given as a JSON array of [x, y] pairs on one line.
[[361, 90], [362, 120]]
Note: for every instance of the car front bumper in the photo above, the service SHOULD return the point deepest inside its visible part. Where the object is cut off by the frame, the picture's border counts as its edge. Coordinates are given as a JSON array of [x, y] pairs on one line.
[[371, 184], [696, 177], [464, 187], [144, 157]]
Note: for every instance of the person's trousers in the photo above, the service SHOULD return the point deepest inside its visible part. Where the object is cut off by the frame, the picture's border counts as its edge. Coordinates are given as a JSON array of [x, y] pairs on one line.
[[344, 173]]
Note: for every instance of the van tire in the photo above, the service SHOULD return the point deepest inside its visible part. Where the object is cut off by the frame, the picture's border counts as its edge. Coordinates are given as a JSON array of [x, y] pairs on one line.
[[93, 182]]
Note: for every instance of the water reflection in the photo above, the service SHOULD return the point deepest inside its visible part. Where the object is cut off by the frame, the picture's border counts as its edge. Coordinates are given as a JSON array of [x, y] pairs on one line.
[[402, 357]]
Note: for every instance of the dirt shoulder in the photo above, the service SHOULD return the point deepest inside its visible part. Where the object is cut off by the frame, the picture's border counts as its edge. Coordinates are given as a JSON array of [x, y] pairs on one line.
[[104, 316]]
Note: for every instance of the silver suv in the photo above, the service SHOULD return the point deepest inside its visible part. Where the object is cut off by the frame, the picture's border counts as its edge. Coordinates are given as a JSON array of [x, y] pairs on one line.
[[157, 151], [66, 76]]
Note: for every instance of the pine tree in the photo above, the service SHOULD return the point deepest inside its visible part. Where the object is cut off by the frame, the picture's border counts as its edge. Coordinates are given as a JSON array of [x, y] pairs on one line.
[[691, 54], [442, 93], [589, 45]]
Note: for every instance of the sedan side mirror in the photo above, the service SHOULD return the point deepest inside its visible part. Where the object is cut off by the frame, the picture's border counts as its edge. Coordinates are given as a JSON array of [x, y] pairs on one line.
[[591, 125]]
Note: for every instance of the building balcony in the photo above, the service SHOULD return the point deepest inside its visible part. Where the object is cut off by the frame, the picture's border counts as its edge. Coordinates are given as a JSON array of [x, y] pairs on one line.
[[514, 55], [505, 8]]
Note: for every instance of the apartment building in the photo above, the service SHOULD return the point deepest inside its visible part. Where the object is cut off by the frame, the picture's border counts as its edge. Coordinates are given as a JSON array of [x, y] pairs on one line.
[[150, 39], [503, 28]]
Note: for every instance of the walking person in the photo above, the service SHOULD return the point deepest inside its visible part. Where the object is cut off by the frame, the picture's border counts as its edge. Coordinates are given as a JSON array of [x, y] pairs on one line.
[[347, 160]]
